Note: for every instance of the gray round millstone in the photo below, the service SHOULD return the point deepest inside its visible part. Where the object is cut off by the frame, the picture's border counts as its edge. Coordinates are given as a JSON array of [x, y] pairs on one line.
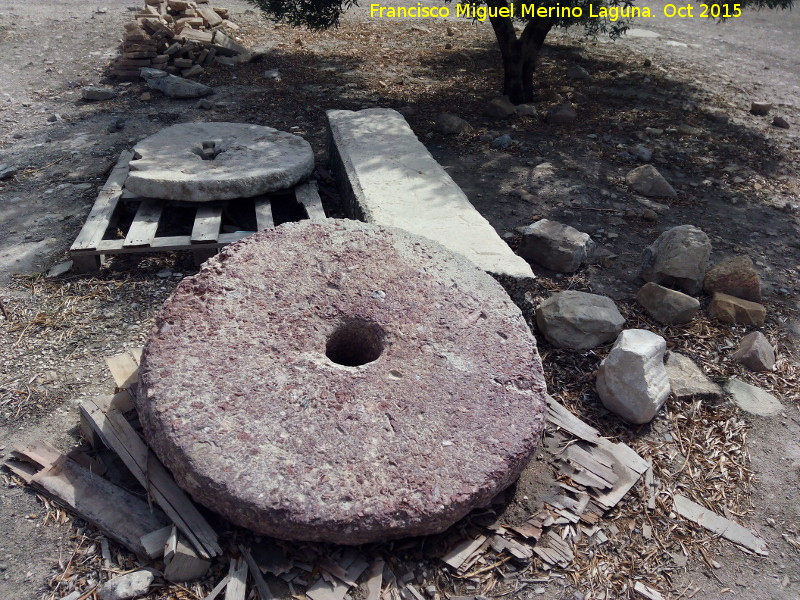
[[203, 162], [341, 382]]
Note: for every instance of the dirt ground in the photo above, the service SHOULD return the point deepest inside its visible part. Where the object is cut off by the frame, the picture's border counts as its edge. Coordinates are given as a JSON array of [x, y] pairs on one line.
[[737, 179]]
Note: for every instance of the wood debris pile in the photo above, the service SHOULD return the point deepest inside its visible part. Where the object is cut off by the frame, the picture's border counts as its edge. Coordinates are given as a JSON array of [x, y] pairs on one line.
[[181, 37]]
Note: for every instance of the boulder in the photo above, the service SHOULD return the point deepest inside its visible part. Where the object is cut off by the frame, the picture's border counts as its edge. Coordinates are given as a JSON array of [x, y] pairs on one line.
[[500, 108], [752, 399], [687, 381], [132, 585], [450, 124], [556, 246], [755, 352], [736, 277], [678, 258], [667, 306], [578, 320], [561, 114], [730, 309], [632, 381], [172, 85], [647, 181]]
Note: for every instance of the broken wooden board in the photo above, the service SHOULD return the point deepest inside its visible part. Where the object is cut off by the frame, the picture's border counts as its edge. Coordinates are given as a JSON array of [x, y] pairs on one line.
[[184, 564], [124, 367], [237, 583], [122, 401], [719, 525], [93, 498], [553, 550], [118, 435], [459, 554], [647, 592], [375, 580], [264, 592]]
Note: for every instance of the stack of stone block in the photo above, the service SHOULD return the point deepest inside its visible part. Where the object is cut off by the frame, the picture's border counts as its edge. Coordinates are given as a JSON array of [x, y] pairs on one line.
[[181, 37]]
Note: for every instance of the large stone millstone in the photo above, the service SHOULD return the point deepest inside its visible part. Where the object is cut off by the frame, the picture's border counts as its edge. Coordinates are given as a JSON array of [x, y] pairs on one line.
[[341, 382], [202, 162]]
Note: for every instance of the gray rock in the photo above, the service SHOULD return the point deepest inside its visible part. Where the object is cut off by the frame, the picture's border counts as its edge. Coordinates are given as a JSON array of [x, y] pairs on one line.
[[752, 399], [59, 269], [502, 142], [760, 108], [647, 181], [54, 118], [578, 320], [667, 306], [678, 258], [556, 246], [273, 75], [687, 381], [116, 124], [780, 122], [527, 110], [193, 71], [755, 352], [632, 381], [500, 108], [579, 73], [736, 277], [204, 104], [450, 124], [172, 85], [92, 92], [7, 171], [730, 309], [561, 114], [642, 152], [127, 586]]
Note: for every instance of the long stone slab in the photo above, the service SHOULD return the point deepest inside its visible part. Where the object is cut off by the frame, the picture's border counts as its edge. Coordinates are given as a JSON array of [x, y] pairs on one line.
[[388, 177]]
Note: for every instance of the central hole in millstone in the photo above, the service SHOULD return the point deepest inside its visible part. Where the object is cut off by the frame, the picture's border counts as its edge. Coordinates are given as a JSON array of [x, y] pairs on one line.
[[209, 151], [355, 343]]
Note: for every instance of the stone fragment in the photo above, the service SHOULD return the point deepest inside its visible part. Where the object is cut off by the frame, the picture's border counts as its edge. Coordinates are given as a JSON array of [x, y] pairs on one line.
[[500, 108], [527, 110], [561, 114], [359, 384], [678, 258], [667, 306], [202, 162], [760, 108], [556, 246], [632, 381], [502, 142], [687, 381], [92, 92], [132, 585], [450, 124], [578, 320], [642, 152], [59, 269], [736, 277], [174, 86], [752, 399], [730, 309], [780, 122], [755, 352], [7, 171], [647, 181], [579, 73]]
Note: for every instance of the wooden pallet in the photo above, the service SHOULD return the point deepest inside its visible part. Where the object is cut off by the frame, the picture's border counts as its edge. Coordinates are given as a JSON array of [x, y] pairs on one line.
[[93, 241]]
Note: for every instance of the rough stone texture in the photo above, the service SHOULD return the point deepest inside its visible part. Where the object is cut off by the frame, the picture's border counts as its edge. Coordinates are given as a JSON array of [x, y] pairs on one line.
[[678, 258], [632, 381], [687, 381], [132, 585], [201, 162], [93, 92], [755, 352], [752, 399], [172, 85], [667, 306], [736, 277], [578, 320], [500, 108], [450, 124], [556, 246], [387, 176], [561, 114], [649, 182], [241, 402], [760, 108], [728, 309], [780, 122]]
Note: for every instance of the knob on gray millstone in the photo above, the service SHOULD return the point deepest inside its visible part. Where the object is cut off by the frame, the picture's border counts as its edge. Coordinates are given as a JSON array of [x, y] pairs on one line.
[[341, 382], [202, 162]]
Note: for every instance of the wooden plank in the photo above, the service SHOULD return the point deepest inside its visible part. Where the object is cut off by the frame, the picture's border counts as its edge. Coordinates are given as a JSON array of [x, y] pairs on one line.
[[145, 223], [185, 565], [169, 244], [264, 218], [462, 551], [375, 580], [718, 524], [207, 224], [647, 592], [218, 588], [117, 434], [264, 592], [124, 368], [98, 501], [307, 194], [237, 585], [155, 541], [123, 402], [99, 217]]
